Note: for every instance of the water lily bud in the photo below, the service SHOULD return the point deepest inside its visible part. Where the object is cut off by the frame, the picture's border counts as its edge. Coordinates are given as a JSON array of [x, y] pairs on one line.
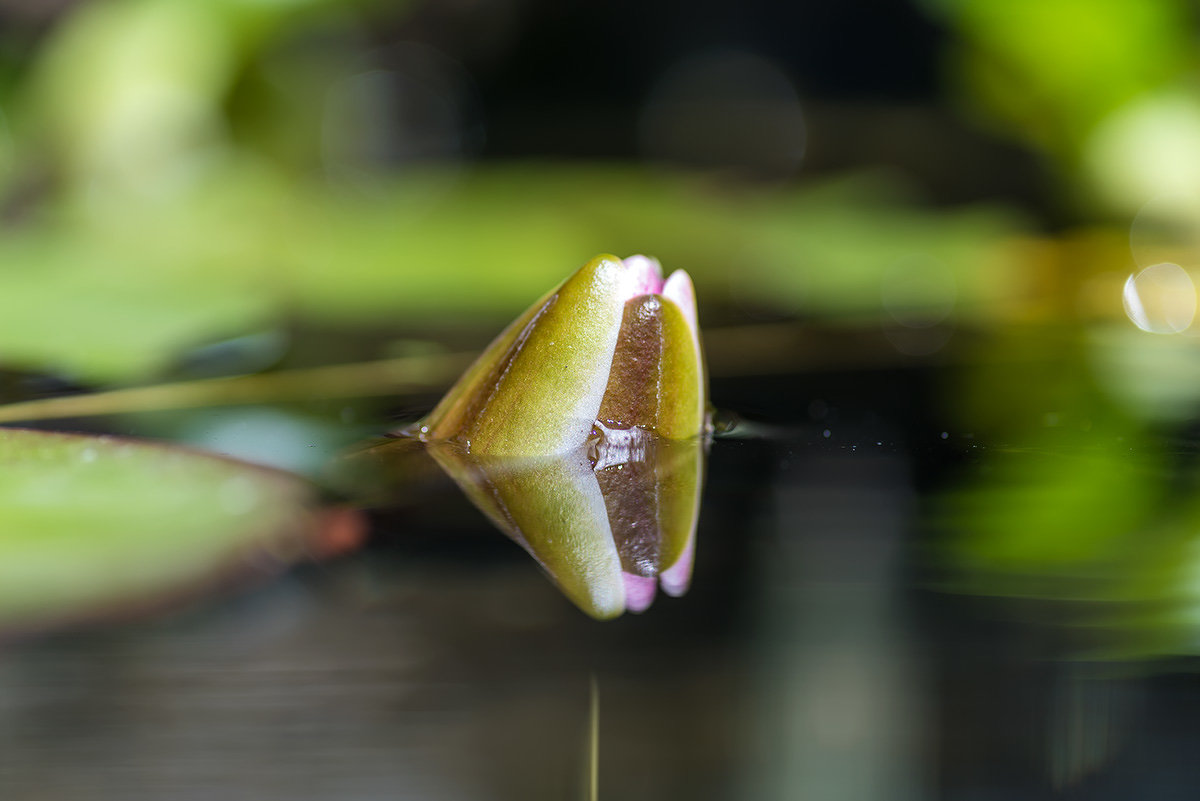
[[580, 432], [613, 346]]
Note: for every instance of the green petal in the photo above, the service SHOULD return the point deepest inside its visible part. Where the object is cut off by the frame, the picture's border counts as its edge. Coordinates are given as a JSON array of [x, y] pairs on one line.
[[537, 389]]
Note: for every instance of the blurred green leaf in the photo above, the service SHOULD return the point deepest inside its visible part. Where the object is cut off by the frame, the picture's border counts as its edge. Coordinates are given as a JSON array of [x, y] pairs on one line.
[[856, 250], [93, 524], [1050, 70], [75, 307], [116, 291], [131, 95]]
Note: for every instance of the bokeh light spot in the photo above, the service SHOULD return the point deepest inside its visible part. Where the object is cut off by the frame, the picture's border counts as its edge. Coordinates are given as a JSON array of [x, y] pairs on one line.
[[1161, 299]]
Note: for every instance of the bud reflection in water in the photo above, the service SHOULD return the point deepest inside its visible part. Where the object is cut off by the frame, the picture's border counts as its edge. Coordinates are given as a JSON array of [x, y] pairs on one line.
[[610, 522], [580, 432]]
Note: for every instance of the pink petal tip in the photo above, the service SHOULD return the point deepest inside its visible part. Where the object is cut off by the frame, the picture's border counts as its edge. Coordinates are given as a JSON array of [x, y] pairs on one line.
[[639, 591], [645, 275]]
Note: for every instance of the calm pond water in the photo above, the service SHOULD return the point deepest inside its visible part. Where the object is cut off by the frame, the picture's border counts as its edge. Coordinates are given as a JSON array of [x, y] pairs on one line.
[[842, 639]]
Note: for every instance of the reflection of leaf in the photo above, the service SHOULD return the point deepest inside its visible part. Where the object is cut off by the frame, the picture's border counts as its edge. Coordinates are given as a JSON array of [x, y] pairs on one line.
[[1093, 534], [1039, 512], [89, 523]]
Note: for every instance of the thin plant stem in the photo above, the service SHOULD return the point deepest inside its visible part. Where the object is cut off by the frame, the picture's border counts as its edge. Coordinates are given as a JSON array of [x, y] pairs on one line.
[[362, 380]]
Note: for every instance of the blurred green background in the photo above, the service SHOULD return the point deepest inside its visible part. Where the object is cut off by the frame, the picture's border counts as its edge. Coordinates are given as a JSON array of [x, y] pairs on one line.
[[1004, 191], [176, 175], [946, 255]]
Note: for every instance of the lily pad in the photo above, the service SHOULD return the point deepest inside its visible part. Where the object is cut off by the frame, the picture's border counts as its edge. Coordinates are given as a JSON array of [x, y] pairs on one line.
[[92, 525]]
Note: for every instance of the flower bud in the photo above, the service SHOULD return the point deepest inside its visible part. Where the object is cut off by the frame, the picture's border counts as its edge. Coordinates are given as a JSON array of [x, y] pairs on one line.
[[580, 433], [614, 345]]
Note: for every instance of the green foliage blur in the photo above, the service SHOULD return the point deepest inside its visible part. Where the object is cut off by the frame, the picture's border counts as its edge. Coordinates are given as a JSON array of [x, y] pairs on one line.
[[1107, 90], [178, 174], [175, 175], [82, 537]]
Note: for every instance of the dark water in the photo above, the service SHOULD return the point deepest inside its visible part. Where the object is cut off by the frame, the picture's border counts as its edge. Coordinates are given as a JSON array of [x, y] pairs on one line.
[[838, 642]]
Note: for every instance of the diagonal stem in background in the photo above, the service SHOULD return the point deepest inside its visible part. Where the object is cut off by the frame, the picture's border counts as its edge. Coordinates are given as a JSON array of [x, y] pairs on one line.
[[761, 349], [405, 374]]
